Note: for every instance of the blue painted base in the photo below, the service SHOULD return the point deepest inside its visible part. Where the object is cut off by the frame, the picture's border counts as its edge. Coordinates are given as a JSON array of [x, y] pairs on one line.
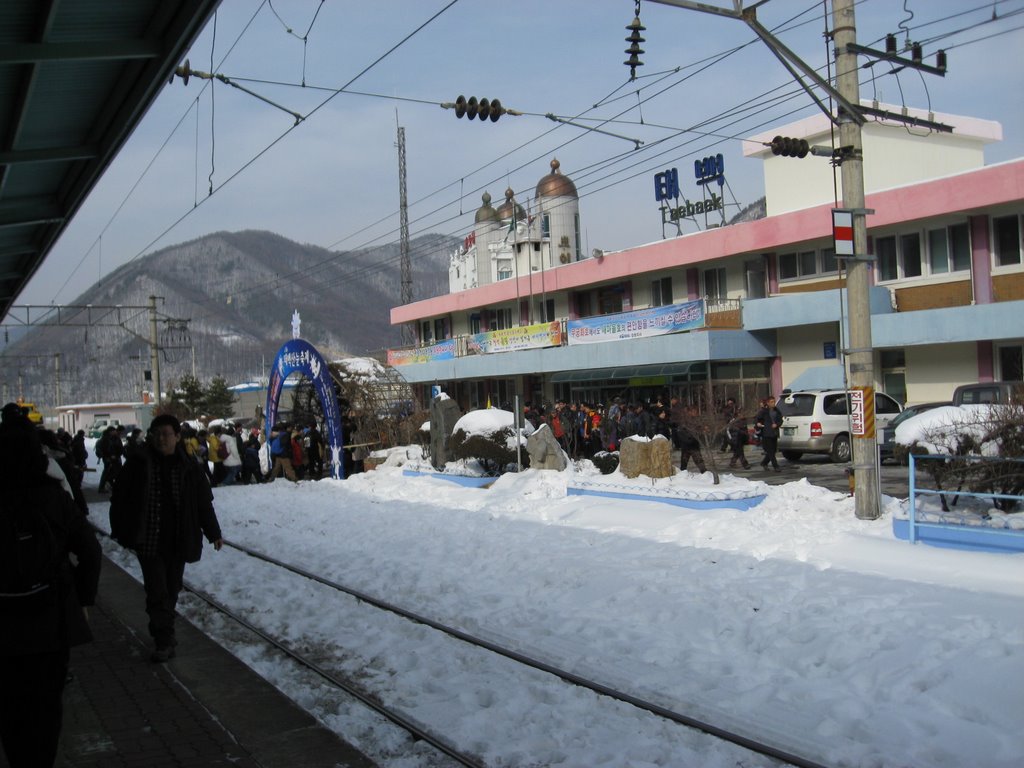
[[743, 503], [972, 538], [463, 480]]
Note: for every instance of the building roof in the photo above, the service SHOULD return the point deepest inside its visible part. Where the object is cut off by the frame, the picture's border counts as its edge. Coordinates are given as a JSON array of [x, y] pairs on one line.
[[76, 77], [556, 184]]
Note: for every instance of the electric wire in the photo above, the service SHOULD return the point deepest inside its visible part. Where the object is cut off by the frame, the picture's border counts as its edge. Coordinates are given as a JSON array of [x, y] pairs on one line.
[[606, 99]]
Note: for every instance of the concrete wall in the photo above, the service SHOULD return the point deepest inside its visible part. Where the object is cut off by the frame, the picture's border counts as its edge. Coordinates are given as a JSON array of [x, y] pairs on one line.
[[802, 348], [934, 371]]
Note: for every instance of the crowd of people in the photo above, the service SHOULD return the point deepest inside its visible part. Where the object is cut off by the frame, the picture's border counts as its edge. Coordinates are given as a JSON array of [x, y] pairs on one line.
[[585, 429]]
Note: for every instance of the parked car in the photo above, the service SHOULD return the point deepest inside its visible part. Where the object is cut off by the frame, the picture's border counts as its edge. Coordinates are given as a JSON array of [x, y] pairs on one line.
[[887, 435], [99, 426], [817, 421], [988, 393]]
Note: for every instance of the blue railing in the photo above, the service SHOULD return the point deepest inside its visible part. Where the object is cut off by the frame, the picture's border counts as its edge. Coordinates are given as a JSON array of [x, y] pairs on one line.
[[915, 524]]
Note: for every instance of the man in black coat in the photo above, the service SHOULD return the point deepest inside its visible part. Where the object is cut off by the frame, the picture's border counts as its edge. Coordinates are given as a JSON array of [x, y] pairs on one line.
[[44, 595], [161, 507], [769, 421]]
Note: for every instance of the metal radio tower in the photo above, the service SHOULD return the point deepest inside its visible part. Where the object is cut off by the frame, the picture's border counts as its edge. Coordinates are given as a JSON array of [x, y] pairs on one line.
[[408, 333]]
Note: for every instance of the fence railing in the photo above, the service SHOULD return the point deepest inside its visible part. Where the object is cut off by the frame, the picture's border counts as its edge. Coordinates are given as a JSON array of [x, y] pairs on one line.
[[942, 493]]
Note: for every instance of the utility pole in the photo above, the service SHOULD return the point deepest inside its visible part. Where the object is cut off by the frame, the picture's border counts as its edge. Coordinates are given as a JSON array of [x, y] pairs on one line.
[[860, 354], [154, 350], [56, 378], [408, 335]]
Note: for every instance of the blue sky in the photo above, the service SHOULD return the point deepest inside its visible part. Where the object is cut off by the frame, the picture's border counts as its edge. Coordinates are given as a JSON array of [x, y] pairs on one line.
[[332, 180]]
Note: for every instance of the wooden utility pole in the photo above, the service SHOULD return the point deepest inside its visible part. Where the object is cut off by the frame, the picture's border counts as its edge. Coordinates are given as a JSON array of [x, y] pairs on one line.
[[860, 353]]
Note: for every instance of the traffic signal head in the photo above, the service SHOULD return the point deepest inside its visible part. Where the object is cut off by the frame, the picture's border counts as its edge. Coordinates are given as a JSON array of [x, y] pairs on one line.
[[788, 147]]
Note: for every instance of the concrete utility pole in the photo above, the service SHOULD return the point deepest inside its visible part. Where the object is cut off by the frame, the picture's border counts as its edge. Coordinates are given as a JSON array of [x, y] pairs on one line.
[[408, 330], [860, 354], [154, 350]]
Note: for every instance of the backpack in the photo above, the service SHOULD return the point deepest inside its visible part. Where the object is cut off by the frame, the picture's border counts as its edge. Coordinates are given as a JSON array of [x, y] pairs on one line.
[[222, 450], [99, 448], [29, 563]]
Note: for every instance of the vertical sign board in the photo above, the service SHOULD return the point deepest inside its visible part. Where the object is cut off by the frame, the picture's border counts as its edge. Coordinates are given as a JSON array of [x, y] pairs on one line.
[[862, 411], [301, 356], [842, 231]]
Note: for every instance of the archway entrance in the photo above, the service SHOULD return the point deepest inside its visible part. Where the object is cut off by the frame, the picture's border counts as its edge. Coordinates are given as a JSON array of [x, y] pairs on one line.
[[299, 356]]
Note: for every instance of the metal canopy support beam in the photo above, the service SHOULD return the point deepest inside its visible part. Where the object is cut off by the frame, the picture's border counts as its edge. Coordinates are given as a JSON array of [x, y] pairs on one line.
[[53, 154], [782, 53], [30, 53]]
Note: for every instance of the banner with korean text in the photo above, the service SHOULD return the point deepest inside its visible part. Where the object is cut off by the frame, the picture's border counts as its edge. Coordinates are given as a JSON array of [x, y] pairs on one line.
[[655, 321], [524, 337], [444, 350]]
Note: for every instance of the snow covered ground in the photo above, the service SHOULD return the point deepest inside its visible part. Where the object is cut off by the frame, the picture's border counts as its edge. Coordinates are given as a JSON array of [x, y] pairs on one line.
[[792, 621]]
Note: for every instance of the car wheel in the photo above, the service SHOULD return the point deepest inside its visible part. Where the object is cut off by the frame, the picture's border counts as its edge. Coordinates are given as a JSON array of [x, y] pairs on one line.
[[792, 455], [840, 452]]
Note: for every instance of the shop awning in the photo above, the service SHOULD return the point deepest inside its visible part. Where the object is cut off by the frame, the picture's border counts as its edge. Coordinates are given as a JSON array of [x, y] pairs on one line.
[[626, 372]]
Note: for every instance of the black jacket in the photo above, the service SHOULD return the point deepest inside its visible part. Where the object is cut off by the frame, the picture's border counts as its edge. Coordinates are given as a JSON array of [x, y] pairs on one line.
[[766, 418], [196, 516], [64, 624]]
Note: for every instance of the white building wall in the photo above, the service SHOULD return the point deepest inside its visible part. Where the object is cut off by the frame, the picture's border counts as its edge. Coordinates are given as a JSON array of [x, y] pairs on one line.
[[894, 155], [934, 371], [803, 347], [562, 212]]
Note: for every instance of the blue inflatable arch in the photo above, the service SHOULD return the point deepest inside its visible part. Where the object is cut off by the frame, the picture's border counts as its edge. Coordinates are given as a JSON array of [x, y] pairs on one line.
[[300, 356]]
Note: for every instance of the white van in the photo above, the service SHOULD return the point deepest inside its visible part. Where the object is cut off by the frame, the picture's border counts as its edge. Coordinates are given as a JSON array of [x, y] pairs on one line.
[[817, 421]]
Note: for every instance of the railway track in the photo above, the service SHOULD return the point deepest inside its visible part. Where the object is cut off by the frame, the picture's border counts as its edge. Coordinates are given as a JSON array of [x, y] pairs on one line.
[[319, 662]]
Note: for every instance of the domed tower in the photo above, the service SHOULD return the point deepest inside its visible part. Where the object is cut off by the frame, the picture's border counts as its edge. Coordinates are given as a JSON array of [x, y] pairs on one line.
[[470, 266], [559, 205], [487, 230], [511, 208]]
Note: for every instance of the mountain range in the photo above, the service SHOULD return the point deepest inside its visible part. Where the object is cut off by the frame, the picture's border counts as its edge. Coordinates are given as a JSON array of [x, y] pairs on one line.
[[224, 308]]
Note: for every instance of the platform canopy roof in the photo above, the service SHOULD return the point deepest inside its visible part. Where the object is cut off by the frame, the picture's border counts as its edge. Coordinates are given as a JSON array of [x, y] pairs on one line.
[[76, 77]]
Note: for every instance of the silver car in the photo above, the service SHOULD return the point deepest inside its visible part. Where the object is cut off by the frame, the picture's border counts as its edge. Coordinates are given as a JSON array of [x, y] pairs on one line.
[[817, 421]]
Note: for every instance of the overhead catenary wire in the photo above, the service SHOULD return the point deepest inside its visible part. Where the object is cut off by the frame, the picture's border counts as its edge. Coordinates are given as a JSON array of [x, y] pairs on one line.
[[609, 161]]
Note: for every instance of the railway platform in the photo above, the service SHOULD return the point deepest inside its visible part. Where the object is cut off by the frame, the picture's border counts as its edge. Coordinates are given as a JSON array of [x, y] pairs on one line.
[[202, 709]]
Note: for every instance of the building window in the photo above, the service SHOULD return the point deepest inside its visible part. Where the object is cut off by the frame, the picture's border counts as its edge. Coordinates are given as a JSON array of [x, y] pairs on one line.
[[546, 310], [949, 249], [885, 250], [715, 288], [828, 261], [474, 323], [609, 299], [440, 332], [545, 225], [661, 292], [788, 267], [1011, 362], [584, 307], [576, 232], [425, 337], [498, 319], [904, 256], [1006, 240], [807, 264], [910, 251]]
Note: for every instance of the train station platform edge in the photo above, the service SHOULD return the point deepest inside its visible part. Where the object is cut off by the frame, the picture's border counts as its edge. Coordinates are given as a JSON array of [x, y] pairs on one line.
[[204, 708]]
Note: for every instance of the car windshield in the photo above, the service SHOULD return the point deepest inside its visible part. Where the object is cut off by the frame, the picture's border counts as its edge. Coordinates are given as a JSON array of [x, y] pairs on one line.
[[797, 405]]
